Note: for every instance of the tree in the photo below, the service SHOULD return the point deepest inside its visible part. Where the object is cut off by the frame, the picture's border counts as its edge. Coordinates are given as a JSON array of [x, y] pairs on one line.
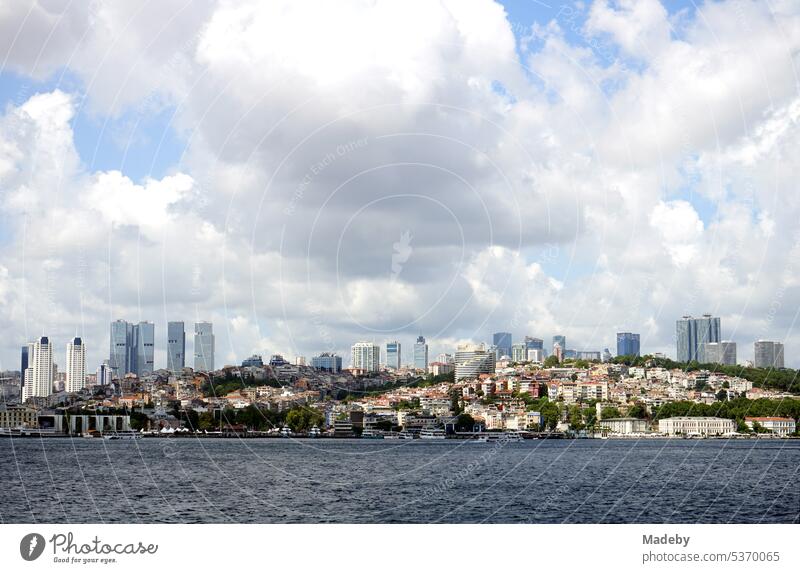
[[610, 412], [206, 421], [551, 361], [465, 423], [722, 395]]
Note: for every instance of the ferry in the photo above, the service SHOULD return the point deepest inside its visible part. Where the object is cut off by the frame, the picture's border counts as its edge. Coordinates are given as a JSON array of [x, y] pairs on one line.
[[123, 435], [405, 436], [481, 439], [512, 437], [314, 432], [432, 434], [286, 432], [371, 435]]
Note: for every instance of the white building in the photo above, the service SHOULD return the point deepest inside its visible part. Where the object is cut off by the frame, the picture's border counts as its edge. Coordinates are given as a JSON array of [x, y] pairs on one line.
[[39, 374], [472, 360], [439, 368], [696, 425], [624, 426], [366, 357], [535, 355], [779, 426], [76, 365]]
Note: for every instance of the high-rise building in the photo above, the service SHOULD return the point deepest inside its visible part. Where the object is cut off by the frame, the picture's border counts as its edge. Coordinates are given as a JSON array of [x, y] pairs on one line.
[[76, 365], [176, 346], [718, 353], [519, 353], [532, 343], [144, 335], [421, 354], [103, 376], [768, 354], [327, 361], [561, 340], [627, 344], [472, 360], [39, 374], [393, 354], [445, 358], [502, 342], [23, 366], [536, 355], [366, 357], [204, 347], [691, 333], [121, 356]]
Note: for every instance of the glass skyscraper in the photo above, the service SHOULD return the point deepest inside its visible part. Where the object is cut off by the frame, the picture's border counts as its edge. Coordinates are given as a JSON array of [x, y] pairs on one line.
[[204, 347], [176, 346], [144, 335], [692, 333], [421, 354], [561, 340], [393, 354], [502, 343], [628, 344], [120, 354]]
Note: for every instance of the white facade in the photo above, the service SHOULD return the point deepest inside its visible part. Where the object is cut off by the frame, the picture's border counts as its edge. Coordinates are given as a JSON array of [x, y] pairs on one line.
[[366, 356], [472, 360], [39, 374], [696, 425], [779, 426], [76, 365]]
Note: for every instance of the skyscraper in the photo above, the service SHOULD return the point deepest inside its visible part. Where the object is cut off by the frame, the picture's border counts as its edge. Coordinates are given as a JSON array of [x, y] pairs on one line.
[[366, 357], [204, 347], [627, 344], [768, 354], [39, 374], [421, 354], [76, 365], [691, 333], [120, 354], [23, 366], [176, 346], [502, 342], [718, 353], [393, 354], [144, 335], [519, 353], [103, 374], [561, 340], [327, 361], [472, 360], [532, 343]]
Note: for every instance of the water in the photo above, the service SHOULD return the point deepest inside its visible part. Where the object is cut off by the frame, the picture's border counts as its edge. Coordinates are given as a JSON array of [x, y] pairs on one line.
[[388, 481]]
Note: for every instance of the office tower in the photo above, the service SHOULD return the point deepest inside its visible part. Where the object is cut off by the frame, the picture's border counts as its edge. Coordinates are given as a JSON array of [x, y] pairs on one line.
[[204, 347], [393, 354], [535, 355], [327, 361], [561, 341], [768, 354], [23, 366], [445, 358], [627, 344], [718, 353], [691, 333], [76, 365], [532, 343], [176, 346], [103, 374], [121, 353], [606, 355], [366, 357], [558, 351], [519, 353], [502, 342], [472, 360], [144, 335], [421, 354], [39, 374]]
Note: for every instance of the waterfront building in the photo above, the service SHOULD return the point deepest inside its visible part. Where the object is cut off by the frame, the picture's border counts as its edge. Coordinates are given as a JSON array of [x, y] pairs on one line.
[[472, 360], [778, 426], [768, 354], [366, 357], [18, 417], [76, 365], [421, 354], [502, 341], [204, 347], [23, 366], [696, 425], [628, 344], [691, 333], [623, 426], [719, 353], [39, 374], [393, 355], [176, 346], [327, 361]]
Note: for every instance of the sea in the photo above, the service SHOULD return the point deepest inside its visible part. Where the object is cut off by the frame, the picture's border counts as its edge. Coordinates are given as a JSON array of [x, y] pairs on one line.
[[216, 480]]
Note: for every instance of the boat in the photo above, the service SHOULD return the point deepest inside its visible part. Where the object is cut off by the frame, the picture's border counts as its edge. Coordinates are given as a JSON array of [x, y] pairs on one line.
[[512, 437], [371, 435], [123, 435], [286, 432], [405, 436], [432, 434], [314, 432], [481, 439]]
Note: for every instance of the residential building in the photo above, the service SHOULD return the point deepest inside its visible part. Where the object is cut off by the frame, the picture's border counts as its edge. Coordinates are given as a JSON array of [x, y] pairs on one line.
[[628, 344], [23, 366], [76, 365], [103, 375], [778, 426], [327, 361], [472, 360], [502, 342], [438, 368], [18, 417], [39, 374], [393, 355], [176, 346], [421, 354], [255, 361], [366, 357], [719, 353], [204, 347], [768, 354], [691, 333], [519, 353], [535, 355], [696, 425]]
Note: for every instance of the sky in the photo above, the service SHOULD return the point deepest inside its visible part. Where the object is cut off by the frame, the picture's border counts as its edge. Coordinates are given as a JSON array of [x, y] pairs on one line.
[[307, 175]]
